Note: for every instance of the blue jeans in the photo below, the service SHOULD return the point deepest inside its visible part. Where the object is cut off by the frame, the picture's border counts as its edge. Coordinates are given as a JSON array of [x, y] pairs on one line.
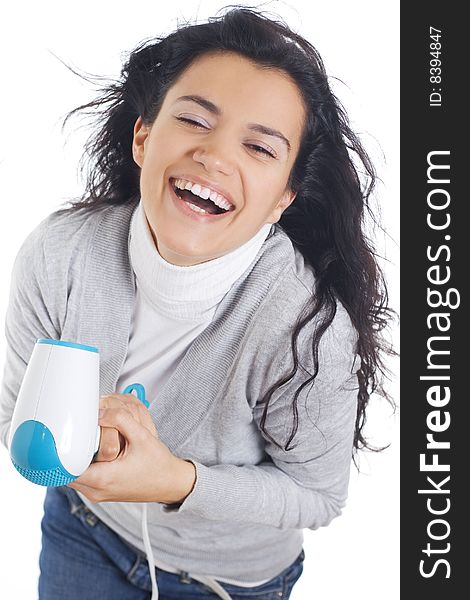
[[83, 559]]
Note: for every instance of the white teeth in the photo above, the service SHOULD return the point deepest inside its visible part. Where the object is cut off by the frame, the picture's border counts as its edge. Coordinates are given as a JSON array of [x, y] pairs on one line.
[[196, 208], [203, 192]]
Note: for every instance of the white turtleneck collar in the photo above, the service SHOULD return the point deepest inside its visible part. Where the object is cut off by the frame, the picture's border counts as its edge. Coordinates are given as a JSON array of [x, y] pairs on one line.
[[190, 292]]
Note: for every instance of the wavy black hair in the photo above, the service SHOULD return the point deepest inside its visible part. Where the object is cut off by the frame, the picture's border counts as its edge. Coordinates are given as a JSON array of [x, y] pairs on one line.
[[325, 222]]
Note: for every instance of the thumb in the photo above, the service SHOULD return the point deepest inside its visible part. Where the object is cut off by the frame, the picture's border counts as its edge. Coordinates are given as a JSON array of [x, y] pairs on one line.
[[122, 420]]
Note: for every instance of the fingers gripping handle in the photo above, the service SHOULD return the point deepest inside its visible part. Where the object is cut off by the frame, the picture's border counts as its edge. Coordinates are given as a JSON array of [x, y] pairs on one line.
[[139, 389]]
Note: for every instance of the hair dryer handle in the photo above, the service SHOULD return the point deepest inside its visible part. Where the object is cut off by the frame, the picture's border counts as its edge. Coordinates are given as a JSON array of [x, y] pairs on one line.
[[139, 389], [98, 440]]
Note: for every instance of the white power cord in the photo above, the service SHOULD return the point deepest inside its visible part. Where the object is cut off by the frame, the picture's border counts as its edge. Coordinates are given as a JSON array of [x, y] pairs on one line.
[[148, 550], [208, 581]]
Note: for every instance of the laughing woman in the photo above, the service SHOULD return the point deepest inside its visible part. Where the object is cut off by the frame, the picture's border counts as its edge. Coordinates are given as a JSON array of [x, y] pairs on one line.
[[218, 257]]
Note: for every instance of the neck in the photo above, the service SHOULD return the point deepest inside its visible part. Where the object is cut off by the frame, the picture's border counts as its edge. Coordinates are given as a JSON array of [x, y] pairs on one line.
[[186, 291]]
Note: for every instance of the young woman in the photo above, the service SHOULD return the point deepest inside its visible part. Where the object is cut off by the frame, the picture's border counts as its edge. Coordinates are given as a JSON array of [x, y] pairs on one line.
[[217, 257]]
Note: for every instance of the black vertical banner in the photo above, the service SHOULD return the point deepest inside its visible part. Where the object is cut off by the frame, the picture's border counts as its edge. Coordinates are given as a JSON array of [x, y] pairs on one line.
[[435, 443]]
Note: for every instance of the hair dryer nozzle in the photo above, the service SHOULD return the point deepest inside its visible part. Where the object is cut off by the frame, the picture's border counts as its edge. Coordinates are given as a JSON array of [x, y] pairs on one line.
[[34, 455]]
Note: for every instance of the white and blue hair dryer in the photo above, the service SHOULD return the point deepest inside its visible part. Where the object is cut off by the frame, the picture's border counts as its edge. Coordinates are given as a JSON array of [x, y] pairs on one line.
[[54, 433]]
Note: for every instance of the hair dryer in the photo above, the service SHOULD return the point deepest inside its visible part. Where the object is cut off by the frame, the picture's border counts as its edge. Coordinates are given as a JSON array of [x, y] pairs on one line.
[[54, 432]]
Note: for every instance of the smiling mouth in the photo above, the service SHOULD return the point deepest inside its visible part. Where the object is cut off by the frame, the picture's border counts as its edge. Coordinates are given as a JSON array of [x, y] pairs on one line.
[[193, 199]]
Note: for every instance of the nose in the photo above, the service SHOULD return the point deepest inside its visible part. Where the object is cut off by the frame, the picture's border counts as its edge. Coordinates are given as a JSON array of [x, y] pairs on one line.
[[214, 156]]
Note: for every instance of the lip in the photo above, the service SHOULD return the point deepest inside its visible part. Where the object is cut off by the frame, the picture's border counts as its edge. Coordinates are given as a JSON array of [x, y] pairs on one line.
[[209, 184], [183, 207]]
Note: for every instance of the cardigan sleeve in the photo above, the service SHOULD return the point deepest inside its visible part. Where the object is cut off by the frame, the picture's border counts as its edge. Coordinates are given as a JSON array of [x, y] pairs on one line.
[[305, 487], [28, 317]]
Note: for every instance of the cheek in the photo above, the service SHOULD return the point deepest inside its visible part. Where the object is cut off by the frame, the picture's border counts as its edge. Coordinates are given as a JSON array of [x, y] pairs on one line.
[[153, 171], [265, 194], [162, 158]]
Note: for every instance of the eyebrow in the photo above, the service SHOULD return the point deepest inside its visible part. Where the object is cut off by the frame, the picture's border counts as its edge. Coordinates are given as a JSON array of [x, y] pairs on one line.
[[211, 107]]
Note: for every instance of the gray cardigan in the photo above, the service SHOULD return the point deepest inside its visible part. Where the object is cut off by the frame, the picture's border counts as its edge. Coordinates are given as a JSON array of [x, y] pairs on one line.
[[72, 280]]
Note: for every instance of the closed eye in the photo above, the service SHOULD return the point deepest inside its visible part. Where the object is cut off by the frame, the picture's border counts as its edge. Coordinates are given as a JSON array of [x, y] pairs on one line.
[[261, 149], [190, 122]]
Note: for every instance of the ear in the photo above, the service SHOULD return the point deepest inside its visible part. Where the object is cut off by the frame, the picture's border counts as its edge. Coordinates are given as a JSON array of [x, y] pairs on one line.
[[141, 132], [287, 198]]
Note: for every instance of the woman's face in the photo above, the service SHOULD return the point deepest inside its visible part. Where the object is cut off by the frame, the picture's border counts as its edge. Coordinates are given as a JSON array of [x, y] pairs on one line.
[[230, 127]]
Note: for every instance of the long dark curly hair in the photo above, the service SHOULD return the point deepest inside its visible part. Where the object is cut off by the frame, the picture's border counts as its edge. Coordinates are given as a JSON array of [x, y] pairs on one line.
[[326, 221]]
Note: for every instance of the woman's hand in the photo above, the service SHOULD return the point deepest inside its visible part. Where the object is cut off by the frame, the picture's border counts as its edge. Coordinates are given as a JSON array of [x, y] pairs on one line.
[[111, 441], [133, 465]]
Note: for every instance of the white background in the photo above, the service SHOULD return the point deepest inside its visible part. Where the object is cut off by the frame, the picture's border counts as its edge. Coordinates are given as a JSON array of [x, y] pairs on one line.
[[356, 557]]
